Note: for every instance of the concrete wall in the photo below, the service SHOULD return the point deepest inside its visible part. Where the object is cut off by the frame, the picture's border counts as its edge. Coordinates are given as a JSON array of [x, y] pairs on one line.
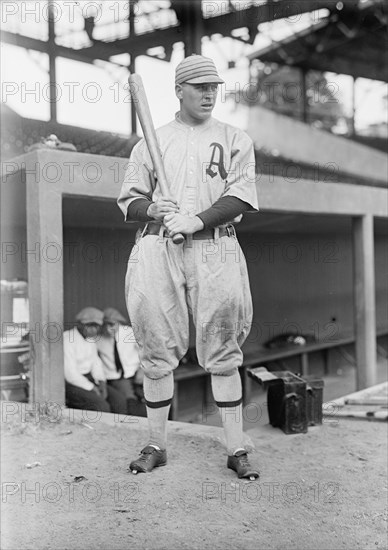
[[301, 142]]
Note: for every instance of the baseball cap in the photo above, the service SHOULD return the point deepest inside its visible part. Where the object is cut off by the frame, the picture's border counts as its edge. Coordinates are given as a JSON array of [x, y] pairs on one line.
[[112, 315], [197, 69], [90, 315]]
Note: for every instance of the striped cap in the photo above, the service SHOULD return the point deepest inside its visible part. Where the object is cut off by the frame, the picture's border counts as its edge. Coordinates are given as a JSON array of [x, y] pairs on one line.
[[112, 315], [197, 69], [90, 315]]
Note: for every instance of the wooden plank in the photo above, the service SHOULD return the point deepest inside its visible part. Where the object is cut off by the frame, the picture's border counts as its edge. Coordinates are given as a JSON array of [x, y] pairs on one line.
[[383, 401], [359, 405], [364, 301], [381, 416], [263, 354], [378, 389]]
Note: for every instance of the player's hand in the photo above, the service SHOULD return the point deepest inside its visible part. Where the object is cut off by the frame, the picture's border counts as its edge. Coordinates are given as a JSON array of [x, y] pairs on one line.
[[179, 223], [161, 207], [103, 389]]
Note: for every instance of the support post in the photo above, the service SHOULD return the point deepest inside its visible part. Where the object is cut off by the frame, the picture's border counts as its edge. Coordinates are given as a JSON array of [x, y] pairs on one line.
[[304, 95], [45, 284], [132, 65], [52, 62], [193, 27], [353, 121], [364, 300]]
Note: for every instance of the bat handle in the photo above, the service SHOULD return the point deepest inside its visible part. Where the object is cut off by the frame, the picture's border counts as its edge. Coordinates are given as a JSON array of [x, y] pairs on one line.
[[178, 238]]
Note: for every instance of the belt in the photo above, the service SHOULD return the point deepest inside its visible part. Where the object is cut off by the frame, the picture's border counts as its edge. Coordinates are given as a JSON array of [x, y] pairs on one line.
[[229, 231]]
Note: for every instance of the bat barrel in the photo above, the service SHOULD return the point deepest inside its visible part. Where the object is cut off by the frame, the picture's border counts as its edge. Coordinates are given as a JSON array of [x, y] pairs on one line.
[[139, 98], [142, 108]]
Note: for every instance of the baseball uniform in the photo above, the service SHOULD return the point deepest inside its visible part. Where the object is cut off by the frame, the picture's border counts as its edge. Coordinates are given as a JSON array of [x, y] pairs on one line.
[[210, 169], [207, 277]]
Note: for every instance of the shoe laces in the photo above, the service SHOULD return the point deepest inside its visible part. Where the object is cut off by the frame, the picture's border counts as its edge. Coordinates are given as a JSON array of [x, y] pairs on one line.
[[242, 458], [145, 453]]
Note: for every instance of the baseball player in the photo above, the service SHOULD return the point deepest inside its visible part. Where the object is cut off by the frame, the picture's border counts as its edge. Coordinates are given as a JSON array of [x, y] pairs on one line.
[[210, 169]]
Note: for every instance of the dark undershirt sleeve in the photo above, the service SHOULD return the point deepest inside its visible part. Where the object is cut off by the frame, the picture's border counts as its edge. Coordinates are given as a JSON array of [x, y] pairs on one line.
[[137, 210], [222, 211]]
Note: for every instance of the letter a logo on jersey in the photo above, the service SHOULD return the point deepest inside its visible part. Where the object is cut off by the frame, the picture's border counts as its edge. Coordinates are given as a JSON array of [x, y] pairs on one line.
[[220, 164]]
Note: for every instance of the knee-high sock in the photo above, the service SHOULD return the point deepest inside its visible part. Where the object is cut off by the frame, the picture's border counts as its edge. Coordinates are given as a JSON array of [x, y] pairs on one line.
[[158, 396], [227, 393]]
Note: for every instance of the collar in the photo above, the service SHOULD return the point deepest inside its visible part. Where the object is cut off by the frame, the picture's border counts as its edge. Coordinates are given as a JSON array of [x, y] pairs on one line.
[[201, 126]]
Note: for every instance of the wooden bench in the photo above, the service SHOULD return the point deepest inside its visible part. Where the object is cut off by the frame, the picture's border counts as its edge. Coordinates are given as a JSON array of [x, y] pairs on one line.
[[259, 356]]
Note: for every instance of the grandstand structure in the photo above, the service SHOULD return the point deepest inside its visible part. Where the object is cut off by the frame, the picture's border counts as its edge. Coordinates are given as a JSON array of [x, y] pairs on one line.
[[316, 252]]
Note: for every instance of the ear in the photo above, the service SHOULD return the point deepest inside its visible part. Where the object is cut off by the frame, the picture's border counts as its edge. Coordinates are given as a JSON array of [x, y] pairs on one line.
[[178, 91]]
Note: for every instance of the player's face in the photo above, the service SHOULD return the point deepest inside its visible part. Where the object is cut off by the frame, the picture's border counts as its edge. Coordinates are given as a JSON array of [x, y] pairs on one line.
[[90, 331], [197, 101], [110, 328]]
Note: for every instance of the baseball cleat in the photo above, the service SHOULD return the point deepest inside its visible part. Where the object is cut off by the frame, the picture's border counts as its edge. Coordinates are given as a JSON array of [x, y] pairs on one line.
[[149, 459], [240, 464]]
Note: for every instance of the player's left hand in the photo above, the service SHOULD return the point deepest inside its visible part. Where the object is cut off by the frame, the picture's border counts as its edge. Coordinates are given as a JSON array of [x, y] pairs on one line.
[[180, 223], [103, 388]]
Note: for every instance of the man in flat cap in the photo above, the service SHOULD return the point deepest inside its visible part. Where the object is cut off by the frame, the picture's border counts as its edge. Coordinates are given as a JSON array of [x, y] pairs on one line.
[[210, 169], [85, 380], [119, 353]]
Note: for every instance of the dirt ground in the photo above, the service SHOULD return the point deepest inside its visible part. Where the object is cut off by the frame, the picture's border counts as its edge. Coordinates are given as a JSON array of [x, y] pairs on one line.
[[65, 485]]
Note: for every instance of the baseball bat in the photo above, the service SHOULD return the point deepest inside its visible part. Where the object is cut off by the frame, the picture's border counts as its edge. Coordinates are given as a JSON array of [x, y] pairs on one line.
[[140, 101]]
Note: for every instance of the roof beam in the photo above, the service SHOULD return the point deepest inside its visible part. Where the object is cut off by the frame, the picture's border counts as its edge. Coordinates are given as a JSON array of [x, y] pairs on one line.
[[40, 46], [256, 15], [139, 44]]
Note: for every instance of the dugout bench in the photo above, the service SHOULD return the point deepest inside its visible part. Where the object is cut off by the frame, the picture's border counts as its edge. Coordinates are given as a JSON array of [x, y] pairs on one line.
[[260, 356]]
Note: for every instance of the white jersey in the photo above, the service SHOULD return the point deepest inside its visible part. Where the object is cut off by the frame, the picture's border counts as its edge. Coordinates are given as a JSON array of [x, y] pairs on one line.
[[203, 163]]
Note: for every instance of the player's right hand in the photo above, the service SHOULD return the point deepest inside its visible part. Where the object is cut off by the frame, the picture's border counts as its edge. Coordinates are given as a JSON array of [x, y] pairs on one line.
[[162, 207]]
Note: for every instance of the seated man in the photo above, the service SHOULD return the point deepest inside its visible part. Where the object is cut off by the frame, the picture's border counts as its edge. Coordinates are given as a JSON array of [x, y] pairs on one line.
[[85, 381], [118, 350]]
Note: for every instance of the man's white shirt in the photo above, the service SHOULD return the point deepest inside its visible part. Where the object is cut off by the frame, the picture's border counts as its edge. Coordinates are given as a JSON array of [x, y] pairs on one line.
[[127, 349], [80, 358]]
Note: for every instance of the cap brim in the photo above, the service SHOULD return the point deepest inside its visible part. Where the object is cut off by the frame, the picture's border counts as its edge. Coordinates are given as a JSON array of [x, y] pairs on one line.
[[205, 80], [115, 320]]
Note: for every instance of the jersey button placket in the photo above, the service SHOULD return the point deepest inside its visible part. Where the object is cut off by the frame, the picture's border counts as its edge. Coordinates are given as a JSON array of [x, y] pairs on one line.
[[191, 172], [191, 191], [185, 207]]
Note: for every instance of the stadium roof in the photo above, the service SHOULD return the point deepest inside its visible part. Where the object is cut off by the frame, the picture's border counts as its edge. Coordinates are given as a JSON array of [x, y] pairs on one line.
[[148, 27], [352, 41]]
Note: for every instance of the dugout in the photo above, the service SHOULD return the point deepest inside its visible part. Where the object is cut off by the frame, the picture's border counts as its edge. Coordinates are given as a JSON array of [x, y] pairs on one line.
[[316, 255]]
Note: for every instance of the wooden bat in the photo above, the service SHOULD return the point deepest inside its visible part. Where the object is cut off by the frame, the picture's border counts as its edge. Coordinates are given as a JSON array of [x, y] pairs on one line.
[[140, 101]]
